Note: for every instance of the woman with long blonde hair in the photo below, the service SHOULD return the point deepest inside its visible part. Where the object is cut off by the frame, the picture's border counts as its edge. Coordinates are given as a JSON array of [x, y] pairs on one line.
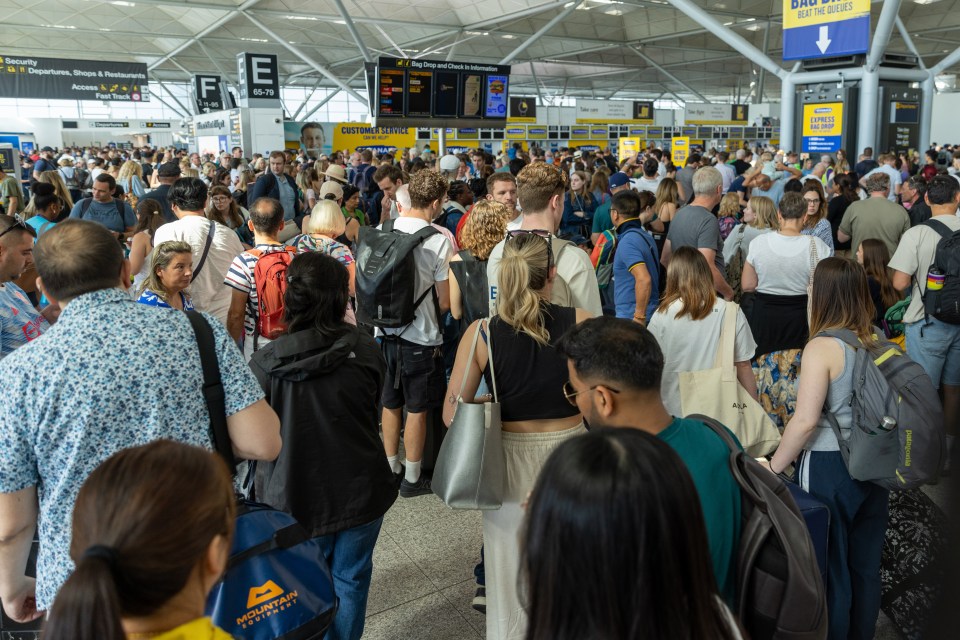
[[527, 376], [130, 178], [688, 324], [59, 187], [668, 197], [484, 229]]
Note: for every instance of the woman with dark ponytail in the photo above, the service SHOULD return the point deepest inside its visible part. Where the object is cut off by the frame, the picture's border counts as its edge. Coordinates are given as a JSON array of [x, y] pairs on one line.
[[146, 559]]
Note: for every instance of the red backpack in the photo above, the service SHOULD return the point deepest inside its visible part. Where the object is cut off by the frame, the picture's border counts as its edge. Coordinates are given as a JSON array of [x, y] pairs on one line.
[[270, 278]]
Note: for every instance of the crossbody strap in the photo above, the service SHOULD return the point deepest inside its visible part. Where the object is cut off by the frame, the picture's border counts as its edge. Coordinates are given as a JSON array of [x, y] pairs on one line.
[[724, 357], [213, 392], [206, 249], [473, 353]]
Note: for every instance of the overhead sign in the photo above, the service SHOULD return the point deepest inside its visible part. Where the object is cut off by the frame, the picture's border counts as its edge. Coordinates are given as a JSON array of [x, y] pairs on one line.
[[628, 147], [59, 79], [429, 93], [613, 112], [208, 93], [358, 135], [714, 114], [522, 110], [259, 75], [152, 124], [679, 150], [825, 28], [822, 127]]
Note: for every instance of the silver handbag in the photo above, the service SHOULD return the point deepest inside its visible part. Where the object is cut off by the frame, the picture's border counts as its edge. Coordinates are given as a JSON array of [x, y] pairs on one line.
[[470, 468]]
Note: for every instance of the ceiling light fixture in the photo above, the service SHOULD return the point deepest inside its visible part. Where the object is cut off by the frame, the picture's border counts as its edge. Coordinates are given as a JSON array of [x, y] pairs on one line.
[[122, 3], [254, 40], [310, 18]]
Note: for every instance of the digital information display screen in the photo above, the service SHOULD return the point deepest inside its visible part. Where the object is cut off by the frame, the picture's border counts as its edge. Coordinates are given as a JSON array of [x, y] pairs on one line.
[[434, 93], [390, 94], [419, 93]]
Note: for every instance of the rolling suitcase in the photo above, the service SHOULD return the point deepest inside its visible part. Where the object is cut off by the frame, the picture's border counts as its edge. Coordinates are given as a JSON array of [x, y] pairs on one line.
[[817, 517]]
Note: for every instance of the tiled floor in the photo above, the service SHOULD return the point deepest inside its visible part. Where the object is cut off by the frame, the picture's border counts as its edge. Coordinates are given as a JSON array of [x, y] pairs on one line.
[[423, 580], [423, 574]]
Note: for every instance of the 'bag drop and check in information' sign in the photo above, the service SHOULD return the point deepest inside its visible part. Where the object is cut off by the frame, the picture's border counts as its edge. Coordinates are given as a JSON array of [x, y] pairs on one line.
[[61, 79], [825, 28]]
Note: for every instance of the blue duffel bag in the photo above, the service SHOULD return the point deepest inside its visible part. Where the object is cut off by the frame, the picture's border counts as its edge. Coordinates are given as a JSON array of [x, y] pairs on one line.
[[817, 517], [277, 585]]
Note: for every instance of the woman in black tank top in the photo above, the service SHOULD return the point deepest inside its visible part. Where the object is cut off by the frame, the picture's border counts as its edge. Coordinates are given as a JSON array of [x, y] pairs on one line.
[[529, 387]]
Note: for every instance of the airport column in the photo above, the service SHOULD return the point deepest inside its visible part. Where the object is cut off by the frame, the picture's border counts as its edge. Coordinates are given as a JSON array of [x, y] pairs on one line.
[[788, 118], [868, 115]]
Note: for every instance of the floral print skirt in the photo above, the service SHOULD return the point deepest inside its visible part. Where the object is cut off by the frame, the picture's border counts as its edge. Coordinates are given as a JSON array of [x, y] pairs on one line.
[[777, 376]]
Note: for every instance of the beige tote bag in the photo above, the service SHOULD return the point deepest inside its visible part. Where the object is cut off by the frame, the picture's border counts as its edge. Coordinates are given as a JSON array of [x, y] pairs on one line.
[[716, 393]]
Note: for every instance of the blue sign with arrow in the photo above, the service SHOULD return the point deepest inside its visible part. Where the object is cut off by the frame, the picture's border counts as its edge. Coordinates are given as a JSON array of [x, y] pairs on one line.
[[825, 28]]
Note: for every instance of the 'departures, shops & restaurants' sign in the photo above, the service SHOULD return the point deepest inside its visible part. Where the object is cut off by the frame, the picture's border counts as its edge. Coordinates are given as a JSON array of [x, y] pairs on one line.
[[60, 79]]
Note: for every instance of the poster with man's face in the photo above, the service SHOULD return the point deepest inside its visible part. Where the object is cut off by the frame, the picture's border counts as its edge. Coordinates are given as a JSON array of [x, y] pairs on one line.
[[313, 137]]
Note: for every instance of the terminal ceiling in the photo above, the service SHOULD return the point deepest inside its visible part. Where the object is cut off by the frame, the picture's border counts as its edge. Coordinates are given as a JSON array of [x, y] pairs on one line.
[[602, 49]]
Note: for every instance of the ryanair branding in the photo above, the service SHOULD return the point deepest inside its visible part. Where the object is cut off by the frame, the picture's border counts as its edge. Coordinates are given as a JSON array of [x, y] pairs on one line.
[[264, 601]]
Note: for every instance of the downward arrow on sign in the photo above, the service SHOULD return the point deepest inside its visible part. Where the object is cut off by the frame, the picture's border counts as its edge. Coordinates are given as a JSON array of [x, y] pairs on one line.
[[824, 40]]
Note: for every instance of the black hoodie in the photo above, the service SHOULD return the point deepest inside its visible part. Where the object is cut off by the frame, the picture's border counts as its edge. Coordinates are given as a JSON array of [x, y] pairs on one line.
[[332, 473]]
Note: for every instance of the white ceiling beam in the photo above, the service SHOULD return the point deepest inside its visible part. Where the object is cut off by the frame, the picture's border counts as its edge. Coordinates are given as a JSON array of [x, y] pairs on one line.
[[352, 28], [225, 18]]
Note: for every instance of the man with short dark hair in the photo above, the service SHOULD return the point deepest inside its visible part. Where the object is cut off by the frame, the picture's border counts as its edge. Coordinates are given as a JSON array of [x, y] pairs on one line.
[[276, 184], [113, 374], [933, 344], [502, 188], [11, 194], [102, 207], [876, 217], [415, 369], [214, 246], [888, 165], [167, 174], [636, 265], [45, 163], [912, 195], [459, 197], [389, 178], [266, 222], [866, 163], [602, 220], [650, 180], [20, 322], [615, 369]]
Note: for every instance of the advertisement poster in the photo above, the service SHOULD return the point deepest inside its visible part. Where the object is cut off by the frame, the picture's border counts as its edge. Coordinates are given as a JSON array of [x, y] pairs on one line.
[[59, 79], [496, 97], [359, 135], [822, 127], [679, 150], [315, 137], [522, 110]]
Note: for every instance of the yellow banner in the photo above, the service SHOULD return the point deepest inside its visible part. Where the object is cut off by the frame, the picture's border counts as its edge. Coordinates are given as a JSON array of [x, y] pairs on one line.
[[626, 147], [515, 132], [823, 119], [805, 13], [679, 150], [357, 135]]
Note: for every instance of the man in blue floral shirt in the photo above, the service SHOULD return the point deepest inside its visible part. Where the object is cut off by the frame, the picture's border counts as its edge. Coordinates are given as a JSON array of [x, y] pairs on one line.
[[111, 374]]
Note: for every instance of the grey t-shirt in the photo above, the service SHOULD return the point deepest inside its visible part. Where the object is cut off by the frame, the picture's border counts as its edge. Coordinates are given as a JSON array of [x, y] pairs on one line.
[[106, 213], [685, 178], [694, 226]]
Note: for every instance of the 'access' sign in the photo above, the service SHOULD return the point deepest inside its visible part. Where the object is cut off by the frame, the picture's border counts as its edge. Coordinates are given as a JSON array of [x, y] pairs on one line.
[[825, 28]]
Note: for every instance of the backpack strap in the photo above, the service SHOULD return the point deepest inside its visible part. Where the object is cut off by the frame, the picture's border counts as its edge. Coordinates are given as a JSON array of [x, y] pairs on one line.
[[206, 250], [944, 231], [718, 429], [213, 392], [120, 212], [845, 335], [84, 206]]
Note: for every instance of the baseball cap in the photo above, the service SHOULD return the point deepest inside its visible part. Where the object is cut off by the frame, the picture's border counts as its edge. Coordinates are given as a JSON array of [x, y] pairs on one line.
[[331, 187], [169, 170], [449, 163], [619, 179]]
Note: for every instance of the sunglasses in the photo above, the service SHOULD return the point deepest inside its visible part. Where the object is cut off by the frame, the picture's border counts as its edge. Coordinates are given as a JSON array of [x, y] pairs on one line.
[[540, 233], [18, 222], [571, 395]]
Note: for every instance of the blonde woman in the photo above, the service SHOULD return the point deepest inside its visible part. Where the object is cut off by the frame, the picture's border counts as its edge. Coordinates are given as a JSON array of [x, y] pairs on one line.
[[728, 214], [309, 184], [59, 188], [171, 267], [668, 195], [485, 227], [321, 229], [759, 217], [536, 416], [688, 324], [130, 178]]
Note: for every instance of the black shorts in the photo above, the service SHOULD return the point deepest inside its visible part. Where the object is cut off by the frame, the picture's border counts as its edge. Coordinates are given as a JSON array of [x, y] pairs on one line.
[[416, 379]]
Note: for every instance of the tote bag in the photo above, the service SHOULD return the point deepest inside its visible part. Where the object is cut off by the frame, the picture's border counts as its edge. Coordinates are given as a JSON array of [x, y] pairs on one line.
[[716, 393], [470, 467]]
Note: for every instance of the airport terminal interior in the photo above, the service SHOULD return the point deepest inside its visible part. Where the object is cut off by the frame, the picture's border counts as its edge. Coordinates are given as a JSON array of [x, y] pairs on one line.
[[746, 212]]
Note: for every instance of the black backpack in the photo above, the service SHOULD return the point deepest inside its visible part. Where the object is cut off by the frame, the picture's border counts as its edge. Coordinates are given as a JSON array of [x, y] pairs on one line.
[[944, 305], [471, 275], [780, 593], [387, 276]]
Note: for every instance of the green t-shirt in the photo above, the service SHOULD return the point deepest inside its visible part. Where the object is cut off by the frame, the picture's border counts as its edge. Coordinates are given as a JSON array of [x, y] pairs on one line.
[[708, 461], [601, 219], [10, 188]]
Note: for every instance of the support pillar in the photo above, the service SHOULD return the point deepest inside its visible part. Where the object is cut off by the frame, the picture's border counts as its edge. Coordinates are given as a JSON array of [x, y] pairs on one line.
[[441, 143], [788, 106], [926, 111], [868, 115]]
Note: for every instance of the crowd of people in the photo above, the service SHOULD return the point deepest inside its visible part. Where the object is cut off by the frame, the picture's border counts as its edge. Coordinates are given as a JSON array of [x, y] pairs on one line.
[[535, 276]]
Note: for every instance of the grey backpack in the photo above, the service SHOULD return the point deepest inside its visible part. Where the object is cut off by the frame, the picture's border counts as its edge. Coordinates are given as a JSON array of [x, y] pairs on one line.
[[780, 594], [897, 437]]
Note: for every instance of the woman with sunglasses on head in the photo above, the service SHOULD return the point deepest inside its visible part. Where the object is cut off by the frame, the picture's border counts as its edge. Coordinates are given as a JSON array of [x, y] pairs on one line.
[[596, 492], [527, 378]]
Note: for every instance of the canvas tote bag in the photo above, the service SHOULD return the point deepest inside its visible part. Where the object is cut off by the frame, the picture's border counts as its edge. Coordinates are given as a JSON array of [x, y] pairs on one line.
[[716, 393]]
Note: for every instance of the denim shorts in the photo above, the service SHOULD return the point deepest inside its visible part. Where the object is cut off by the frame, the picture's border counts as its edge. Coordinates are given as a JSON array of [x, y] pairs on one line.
[[935, 346]]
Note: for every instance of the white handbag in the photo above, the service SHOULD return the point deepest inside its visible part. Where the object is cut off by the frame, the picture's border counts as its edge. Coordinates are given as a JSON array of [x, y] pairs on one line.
[[717, 393]]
